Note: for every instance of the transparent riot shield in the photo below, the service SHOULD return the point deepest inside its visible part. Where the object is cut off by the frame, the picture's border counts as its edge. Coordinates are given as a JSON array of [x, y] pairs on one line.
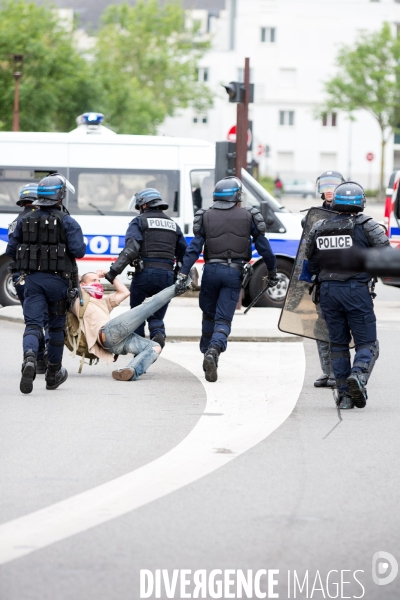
[[300, 315]]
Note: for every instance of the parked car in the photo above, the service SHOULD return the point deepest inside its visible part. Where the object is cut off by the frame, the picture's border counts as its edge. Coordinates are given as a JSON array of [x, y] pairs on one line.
[[300, 187]]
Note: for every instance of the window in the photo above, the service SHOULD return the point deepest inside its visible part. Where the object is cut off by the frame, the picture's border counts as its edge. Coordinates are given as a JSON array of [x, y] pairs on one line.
[[329, 119], [203, 74], [202, 186], [13, 178], [109, 191], [286, 117], [200, 119], [241, 75], [268, 35]]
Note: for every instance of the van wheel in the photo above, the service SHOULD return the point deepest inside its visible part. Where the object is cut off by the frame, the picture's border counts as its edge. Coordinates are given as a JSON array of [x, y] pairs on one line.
[[8, 295], [275, 296]]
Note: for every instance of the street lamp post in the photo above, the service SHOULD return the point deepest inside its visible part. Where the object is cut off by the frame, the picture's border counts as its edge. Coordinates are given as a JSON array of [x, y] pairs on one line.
[[18, 60]]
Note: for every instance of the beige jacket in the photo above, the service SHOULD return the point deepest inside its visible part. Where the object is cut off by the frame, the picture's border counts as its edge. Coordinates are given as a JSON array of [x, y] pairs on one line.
[[97, 314]]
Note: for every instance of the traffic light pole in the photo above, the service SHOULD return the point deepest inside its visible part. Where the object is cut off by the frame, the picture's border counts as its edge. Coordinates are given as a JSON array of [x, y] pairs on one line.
[[242, 124]]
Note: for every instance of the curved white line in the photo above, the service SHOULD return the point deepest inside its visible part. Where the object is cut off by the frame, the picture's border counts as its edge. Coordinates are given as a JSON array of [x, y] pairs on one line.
[[258, 387]]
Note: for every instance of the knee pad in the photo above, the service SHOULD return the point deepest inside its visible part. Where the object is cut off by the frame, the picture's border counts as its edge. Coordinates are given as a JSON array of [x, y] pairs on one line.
[[367, 367], [223, 327], [340, 352], [34, 330]]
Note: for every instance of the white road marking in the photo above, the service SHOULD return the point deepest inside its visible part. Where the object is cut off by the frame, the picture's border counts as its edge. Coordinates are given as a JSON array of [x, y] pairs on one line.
[[258, 387]]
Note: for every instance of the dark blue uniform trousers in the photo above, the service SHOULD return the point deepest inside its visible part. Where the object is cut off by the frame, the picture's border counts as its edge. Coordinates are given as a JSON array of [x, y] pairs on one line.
[[347, 308], [42, 292], [219, 295], [146, 284], [20, 289]]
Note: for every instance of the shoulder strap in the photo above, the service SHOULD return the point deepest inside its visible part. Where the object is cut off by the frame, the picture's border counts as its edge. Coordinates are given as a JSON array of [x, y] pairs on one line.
[[86, 300]]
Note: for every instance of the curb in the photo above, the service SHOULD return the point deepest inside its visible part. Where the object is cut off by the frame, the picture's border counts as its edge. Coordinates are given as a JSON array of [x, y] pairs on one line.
[[193, 338]]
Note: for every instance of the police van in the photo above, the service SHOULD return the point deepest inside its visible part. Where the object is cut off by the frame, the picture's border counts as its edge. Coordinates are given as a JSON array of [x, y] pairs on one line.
[[106, 169]]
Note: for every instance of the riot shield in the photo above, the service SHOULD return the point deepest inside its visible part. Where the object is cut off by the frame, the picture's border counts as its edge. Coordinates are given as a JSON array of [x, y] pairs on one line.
[[300, 315]]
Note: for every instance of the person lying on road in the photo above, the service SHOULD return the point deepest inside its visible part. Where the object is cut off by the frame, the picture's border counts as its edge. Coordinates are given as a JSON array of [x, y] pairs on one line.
[[107, 337]]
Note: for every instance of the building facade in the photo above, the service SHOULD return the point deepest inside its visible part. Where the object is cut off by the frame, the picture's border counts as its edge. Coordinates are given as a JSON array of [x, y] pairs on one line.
[[292, 46]]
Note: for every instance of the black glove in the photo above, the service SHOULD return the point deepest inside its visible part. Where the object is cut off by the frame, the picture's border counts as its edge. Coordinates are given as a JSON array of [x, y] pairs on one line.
[[272, 278], [181, 285], [111, 275]]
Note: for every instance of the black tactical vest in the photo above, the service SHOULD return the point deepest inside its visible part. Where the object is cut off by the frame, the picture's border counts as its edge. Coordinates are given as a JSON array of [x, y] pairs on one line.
[[334, 235], [159, 235], [27, 210], [227, 234], [44, 244]]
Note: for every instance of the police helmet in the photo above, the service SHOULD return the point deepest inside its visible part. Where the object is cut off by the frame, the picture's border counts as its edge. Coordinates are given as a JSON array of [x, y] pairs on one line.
[[27, 194], [149, 196], [349, 197], [227, 192], [53, 189], [328, 181]]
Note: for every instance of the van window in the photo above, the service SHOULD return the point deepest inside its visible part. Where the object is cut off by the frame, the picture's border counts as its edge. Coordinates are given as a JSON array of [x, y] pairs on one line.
[[202, 186], [109, 192], [11, 181]]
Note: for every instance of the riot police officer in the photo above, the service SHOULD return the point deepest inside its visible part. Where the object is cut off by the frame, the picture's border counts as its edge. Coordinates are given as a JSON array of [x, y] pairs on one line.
[[345, 297], [44, 246], [152, 243], [325, 185], [27, 195], [225, 230]]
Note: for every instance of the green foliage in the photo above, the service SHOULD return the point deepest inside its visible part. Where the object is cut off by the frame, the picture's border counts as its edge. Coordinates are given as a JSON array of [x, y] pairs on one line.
[[369, 78], [56, 85], [146, 60], [267, 183]]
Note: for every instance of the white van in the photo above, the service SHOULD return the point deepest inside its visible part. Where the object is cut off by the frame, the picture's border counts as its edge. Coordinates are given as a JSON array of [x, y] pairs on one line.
[[106, 169]]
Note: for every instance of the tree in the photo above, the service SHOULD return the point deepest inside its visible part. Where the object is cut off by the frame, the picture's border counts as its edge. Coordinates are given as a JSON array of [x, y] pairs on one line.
[[57, 84], [368, 78], [146, 60]]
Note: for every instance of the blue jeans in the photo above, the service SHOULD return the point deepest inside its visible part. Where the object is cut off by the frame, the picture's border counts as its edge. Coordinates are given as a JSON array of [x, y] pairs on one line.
[[121, 337], [219, 295], [42, 292], [145, 284], [348, 309]]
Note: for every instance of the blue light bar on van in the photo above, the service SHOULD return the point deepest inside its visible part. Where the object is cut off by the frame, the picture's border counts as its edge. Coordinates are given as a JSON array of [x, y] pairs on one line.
[[91, 118]]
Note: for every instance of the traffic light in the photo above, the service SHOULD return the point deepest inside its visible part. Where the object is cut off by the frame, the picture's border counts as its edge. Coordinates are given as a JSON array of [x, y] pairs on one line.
[[225, 160], [235, 91]]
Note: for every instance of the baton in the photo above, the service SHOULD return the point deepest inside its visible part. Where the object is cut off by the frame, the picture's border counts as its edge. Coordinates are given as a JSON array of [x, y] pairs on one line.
[[257, 298]]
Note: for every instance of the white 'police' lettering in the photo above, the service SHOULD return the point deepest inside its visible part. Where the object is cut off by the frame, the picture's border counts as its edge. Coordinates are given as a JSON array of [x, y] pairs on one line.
[[334, 242], [161, 224]]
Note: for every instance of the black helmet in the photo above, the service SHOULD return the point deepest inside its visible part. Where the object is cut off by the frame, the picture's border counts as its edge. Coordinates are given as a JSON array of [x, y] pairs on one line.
[[227, 192], [28, 194], [149, 196], [349, 197], [52, 190], [328, 181]]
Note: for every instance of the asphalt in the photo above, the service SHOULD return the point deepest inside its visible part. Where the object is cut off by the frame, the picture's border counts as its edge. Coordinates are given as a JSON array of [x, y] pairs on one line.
[[320, 493]]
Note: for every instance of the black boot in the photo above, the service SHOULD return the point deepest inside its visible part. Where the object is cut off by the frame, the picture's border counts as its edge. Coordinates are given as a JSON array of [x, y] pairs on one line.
[[344, 401], [55, 376], [322, 381], [358, 391], [28, 371], [160, 339], [210, 363]]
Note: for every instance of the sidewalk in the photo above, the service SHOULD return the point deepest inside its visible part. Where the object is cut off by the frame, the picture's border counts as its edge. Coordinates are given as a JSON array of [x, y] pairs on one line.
[[183, 322]]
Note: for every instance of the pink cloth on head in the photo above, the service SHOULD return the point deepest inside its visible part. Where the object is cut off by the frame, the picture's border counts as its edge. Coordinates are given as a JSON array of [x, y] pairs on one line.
[[95, 290]]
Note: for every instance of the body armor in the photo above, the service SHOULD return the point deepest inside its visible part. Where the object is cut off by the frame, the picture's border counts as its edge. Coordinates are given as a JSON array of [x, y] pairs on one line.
[[227, 234], [159, 235], [44, 244], [334, 235]]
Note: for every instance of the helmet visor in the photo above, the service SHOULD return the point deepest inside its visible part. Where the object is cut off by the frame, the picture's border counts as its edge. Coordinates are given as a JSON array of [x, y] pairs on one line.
[[68, 184], [132, 203], [328, 183]]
